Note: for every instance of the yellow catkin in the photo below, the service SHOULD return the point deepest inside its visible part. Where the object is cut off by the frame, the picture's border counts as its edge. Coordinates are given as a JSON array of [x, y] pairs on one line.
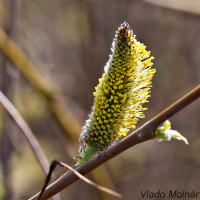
[[120, 94]]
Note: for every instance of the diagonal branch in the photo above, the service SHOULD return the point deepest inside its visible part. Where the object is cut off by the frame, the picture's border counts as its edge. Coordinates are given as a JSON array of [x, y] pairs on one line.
[[52, 168], [32, 141], [142, 134], [113, 193]]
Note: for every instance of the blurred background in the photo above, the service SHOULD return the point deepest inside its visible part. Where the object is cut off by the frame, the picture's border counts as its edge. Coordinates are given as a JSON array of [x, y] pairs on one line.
[[68, 42]]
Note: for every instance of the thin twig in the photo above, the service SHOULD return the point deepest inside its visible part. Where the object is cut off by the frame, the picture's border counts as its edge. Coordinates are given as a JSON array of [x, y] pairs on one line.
[[113, 193], [56, 162], [32, 141], [144, 133]]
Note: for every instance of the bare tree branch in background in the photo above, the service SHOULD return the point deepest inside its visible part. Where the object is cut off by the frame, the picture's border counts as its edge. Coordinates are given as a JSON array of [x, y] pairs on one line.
[[142, 134], [56, 100], [32, 141], [6, 82], [56, 162], [49, 89]]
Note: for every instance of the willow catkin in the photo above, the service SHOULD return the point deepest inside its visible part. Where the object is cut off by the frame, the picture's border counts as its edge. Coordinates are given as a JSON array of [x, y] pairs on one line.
[[120, 94]]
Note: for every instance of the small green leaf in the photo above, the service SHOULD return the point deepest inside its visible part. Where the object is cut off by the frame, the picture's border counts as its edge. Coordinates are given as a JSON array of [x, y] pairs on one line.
[[165, 132]]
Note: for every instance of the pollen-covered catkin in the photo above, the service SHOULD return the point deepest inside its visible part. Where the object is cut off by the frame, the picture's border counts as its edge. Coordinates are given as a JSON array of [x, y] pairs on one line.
[[120, 94]]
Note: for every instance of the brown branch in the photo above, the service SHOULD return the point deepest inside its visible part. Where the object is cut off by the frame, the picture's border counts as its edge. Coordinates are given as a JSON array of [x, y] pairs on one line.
[[52, 168], [142, 134], [32, 141], [90, 182]]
